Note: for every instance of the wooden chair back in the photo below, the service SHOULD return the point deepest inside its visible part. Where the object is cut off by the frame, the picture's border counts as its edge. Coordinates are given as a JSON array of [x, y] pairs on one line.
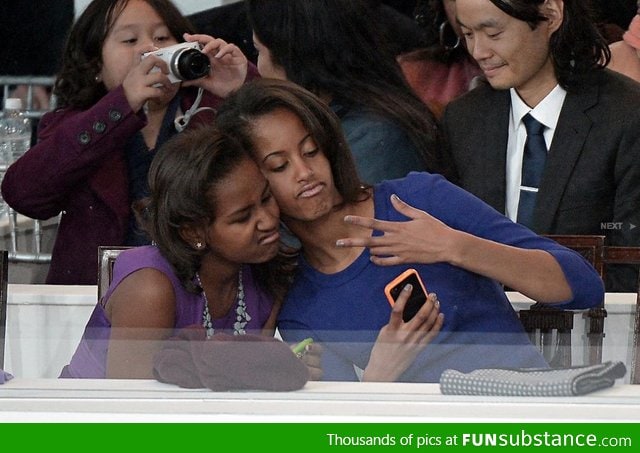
[[550, 328], [589, 246], [619, 255]]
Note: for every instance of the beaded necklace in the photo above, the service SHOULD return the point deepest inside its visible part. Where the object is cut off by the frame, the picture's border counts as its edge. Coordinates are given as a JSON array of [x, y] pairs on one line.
[[242, 317]]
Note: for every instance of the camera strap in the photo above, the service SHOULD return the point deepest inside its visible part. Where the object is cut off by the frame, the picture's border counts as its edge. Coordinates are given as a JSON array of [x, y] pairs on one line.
[[182, 121]]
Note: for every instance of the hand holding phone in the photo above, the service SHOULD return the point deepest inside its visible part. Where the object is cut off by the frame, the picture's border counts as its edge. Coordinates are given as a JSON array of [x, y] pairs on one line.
[[418, 294]]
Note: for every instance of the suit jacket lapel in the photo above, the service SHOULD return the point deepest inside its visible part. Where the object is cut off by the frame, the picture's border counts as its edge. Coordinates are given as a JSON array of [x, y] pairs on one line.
[[497, 146], [568, 141]]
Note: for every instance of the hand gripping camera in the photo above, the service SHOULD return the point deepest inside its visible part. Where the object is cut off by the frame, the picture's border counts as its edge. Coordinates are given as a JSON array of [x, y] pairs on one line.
[[185, 61]]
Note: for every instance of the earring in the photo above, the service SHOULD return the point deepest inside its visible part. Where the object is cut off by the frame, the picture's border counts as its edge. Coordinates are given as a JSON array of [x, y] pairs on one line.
[[198, 245], [446, 36], [98, 79]]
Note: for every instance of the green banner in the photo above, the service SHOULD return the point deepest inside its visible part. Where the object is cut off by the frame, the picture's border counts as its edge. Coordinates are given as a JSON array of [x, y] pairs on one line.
[[312, 437]]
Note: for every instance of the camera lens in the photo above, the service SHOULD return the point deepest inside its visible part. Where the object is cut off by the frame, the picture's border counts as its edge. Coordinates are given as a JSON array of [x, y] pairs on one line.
[[190, 64]]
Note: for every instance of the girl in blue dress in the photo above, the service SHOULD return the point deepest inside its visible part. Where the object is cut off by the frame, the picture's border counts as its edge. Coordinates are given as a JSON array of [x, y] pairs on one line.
[[356, 238]]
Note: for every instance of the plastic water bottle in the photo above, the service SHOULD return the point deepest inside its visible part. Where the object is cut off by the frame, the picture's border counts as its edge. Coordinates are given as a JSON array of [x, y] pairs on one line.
[[15, 130], [15, 137]]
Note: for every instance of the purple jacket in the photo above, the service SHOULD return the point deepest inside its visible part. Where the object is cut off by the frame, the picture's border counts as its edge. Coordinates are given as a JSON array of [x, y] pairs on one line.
[[78, 168]]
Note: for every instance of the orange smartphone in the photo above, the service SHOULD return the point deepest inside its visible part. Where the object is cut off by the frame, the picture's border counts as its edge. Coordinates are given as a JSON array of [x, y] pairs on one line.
[[418, 294]]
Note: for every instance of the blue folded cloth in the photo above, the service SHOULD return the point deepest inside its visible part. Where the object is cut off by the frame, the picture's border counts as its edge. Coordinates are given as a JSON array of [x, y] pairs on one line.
[[571, 381], [4, 376]]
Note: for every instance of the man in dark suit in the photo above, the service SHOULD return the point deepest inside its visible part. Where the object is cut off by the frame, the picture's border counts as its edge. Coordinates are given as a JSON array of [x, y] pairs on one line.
[[538, 65]]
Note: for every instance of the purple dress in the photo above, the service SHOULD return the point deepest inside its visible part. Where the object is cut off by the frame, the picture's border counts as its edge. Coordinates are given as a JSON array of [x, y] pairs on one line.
[[90, 359]]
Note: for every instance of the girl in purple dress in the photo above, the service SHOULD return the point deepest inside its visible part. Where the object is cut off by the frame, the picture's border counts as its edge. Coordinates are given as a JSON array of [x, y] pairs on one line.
[[216, 261]]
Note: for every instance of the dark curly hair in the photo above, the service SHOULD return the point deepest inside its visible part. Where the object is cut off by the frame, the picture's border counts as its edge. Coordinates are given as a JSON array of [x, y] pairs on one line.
[[181, 177], [76, 84], [577, 47]]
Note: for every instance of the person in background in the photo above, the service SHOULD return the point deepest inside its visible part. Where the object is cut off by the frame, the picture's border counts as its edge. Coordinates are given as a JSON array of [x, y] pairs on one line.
[[397, 26], [356, 238], [625, 54], [216, 261], [612, 17], [443, 69], [544, 61], [335, 49], [228, 22], [116, 109]]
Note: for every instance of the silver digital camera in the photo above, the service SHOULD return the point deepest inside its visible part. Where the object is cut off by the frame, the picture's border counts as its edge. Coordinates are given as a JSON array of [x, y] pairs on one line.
[[185, 61]]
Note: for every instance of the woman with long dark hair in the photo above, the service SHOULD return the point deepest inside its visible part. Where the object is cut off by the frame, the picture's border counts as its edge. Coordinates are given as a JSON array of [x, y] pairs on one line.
[[356, 238], [336, 50]]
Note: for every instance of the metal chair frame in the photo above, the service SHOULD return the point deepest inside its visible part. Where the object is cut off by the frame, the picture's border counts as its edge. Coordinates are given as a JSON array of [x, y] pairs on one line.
[[106, 259], [35, 255]]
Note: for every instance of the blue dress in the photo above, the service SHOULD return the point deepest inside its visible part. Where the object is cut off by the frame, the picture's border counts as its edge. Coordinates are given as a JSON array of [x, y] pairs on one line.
[[90, 358], [346, 310]]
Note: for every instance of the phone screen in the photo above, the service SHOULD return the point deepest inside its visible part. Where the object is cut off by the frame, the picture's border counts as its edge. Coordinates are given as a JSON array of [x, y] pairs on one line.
[[417, 298]]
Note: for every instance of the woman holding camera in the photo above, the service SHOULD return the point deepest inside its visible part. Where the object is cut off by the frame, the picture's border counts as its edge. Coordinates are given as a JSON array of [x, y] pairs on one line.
[[117, 106]]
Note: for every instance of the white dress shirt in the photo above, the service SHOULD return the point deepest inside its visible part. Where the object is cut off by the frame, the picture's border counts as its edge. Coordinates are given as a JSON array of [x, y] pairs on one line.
[[546, 112]]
